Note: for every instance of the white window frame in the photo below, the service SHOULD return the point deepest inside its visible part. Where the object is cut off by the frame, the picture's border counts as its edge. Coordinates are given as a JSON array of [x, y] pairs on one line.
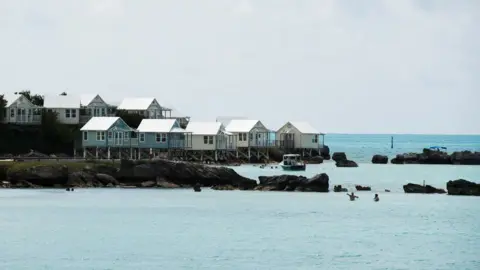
[[205, 139], [210, 140], [100, 135], [164, 137], [315, 138], [141, 137], [74, 113], [85, 135], [158, 137], [110, 135], [67, 113], [126, 135]]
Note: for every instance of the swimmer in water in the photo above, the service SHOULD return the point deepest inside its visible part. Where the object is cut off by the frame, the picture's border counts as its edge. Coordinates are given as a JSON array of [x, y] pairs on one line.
[[376, 198], [352, 196]]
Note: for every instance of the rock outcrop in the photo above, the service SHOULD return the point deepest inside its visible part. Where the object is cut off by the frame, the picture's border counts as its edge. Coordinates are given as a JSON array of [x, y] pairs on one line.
[[146, 174], [339, 188], [362, 188], [314, 160], [345, 163], [463, 187], [325, 152], [337, 156], [429, 156], [379, 159], [318, 183], [415, 188]]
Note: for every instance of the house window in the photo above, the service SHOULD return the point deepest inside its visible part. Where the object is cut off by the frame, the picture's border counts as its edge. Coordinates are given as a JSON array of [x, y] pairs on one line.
[[142, 137], [164, 137], [315, 139], [109, 134], [12, 113], [74, 113], [85, 136], [67, 113], [242, 137], [127, 134], [100, 135], [208, 139], [158, 137]]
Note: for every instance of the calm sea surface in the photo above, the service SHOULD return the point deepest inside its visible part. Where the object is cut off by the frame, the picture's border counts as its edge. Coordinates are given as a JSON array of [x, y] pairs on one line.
[[361, 148], [179, 229]]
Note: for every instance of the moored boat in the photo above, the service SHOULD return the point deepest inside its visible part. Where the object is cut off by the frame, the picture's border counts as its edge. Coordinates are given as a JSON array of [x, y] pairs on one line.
[[293, 162]]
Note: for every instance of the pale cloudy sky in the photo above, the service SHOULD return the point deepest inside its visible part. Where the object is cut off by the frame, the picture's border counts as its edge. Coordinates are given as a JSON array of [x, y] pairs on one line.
[[392, 66]]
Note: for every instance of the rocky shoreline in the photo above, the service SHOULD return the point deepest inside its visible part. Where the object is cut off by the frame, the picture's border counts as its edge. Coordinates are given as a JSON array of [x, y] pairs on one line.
[[177, 174]]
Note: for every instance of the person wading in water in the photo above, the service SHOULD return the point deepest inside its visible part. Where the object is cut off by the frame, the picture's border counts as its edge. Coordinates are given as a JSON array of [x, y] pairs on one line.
[[352, 196], [376, 198]]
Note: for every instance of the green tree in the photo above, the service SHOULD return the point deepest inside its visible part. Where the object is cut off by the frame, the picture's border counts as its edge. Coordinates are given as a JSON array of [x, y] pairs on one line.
[[3, 106], [35, 99], [131, 119]]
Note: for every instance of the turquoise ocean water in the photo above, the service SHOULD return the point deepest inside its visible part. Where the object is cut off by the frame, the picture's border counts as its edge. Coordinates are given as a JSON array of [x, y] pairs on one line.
[[180, 229]]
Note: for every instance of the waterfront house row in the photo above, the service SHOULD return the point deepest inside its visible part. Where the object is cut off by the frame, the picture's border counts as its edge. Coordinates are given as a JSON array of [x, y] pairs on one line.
[[198, 136], [79, 109]]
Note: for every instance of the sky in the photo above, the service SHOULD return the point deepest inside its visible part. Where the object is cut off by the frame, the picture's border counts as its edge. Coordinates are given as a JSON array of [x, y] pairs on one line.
[[343, 66]]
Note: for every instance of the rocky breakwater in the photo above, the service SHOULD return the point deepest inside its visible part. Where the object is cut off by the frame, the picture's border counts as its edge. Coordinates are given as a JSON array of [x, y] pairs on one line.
[[341, 160], [160, 173], [415, 188], [318, 183], [429, 156], [463, 187], [147, 174]]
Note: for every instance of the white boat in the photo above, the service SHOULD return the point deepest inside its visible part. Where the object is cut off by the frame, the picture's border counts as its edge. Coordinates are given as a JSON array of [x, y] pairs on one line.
[[292, 162]]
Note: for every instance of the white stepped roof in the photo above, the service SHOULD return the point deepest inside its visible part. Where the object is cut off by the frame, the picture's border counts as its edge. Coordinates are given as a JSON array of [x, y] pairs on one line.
[[241, 125], [204, 128], [304, 127], [156, 125], [135, 104], [61, 102], [99, 123]]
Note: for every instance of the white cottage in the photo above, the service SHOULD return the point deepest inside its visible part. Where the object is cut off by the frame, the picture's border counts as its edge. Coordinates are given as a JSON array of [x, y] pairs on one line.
[[299, 135], [249, 133], [67, 108], [149, 107], [208, 136], [19, 110], [93, 105]]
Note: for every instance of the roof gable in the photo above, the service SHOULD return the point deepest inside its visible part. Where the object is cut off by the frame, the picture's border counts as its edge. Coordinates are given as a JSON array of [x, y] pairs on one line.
[[17, 99], [139, 104], [100, 123], [157, 125], [87, 99], [59, 101], [302, 127], [244, 125], [204, 128]]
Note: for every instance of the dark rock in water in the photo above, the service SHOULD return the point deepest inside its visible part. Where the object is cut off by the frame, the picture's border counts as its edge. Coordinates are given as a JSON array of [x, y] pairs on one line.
[[398, 159], [325, 152], [318, 183], [346, 163], [465, 158], [106, 179], [362, 188], [339, 188], [181, 173], [337, 156], [463, 187], [315, 160], [379, 159], [429, 156], [197, 187], [387, 190], [415, 188]]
